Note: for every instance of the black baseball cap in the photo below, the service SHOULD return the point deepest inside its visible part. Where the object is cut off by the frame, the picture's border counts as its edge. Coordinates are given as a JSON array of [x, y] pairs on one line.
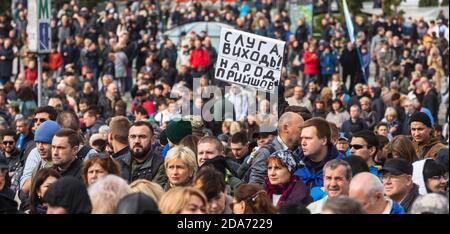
[[397, 166]]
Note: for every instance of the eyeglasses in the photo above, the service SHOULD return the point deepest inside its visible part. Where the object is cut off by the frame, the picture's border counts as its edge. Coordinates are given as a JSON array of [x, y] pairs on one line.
[[8, 142], [445, 177], [391, 177], [356, 146], [41, 120]]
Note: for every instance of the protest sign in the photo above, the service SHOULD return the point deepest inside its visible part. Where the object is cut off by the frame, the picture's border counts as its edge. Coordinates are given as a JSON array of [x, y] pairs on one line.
[[249, 60]]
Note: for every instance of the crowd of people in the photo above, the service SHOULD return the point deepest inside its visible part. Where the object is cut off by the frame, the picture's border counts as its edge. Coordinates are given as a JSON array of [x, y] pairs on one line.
[[359, 126]]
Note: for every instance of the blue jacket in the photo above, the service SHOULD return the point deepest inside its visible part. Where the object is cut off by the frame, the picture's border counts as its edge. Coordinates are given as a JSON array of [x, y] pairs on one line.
[[397, 208], [312, 175], [328, 60]]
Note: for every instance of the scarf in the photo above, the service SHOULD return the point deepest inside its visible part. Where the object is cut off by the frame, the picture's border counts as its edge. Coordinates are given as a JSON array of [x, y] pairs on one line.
[[284, 189]]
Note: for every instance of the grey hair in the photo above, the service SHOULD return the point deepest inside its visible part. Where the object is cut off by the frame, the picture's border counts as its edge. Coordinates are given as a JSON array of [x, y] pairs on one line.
[[335, 163], [106, 193]]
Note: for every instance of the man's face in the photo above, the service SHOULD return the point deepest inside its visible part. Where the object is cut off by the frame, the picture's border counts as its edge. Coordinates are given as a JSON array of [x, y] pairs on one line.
[[311, 144], [298, 93], [359, 91], [364, 105], [139, 138], [334, 182], [89, 120], [360, 148], [44, 150], [396, 186], [62, 152], [9, 144], [420, 132], [263, 140], [354, 112], [216, 205], [382, 130], [40, 118], [206, 151], [239, 150], [83, 107], [21, 127]]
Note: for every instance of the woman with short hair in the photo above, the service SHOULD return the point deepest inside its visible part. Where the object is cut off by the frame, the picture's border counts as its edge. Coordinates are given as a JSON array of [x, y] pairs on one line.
[[99, 165], [180, 166]]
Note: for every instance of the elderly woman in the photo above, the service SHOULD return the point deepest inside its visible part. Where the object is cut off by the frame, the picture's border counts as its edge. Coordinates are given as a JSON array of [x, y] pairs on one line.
[[390, 117], [281, 185], [99, 165], [180, 166], [183, 200], [106, 193], [338, 114]]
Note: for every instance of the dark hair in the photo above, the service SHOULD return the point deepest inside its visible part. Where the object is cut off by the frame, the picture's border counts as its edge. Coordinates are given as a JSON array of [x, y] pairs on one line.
[[322, 127], [302, 111], [256, 199], [239, 137], [100, 144], [109, 164], [91, 113], [119, 127], [144, 123], [357, 164], [210, 181], [9, 132], [72, 136], [68, 119], [84, 100], [343, 205], [190, 141], [381, 124], [37, 181], [50, 110], [369, 137], [140, 110], [432, 168], [293, 208]]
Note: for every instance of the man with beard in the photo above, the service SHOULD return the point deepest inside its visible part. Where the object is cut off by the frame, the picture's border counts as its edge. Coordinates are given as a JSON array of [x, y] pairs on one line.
[[144, 161], [12, 155]]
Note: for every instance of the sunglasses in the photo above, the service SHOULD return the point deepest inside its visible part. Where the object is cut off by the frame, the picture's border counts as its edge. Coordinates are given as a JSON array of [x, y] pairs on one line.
[[41, 120], [356, 146], [8, 142]]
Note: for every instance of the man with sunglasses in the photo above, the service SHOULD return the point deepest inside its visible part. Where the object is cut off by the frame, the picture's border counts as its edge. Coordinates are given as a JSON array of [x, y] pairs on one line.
[[365, 144], [12, 156], [398, 183]]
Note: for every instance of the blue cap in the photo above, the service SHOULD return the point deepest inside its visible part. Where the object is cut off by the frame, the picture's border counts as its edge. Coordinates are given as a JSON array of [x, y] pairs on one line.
[[46, 131]]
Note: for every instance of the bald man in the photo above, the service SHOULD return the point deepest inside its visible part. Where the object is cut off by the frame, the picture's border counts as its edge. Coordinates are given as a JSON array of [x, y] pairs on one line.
[[289, 128], [368, 190]]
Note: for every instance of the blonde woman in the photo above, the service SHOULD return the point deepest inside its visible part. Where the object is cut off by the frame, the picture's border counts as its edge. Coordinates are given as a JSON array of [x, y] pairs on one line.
[[180, 166], [148, 188], [183, 200], [390, 117]]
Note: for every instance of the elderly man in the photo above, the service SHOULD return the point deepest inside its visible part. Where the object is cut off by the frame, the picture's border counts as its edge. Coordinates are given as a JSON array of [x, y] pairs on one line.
[[299, 99], [398, 183], [368, 190], [337, 175]]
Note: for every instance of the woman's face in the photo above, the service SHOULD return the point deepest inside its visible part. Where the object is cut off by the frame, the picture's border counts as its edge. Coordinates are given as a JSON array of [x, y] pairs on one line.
[[390, 117], [178, 172], [336, 106], [278, 174], [437, 183], [95, 172], [194, 206], [44, 186]]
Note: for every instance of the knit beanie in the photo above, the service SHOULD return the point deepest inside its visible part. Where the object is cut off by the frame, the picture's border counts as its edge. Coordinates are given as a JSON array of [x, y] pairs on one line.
[[421, 117], [46, 131], [177, 129]]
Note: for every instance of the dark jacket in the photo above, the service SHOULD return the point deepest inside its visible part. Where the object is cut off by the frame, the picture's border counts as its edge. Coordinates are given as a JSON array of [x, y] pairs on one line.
[[7, 64], [73, 170], [378, 104], [258, 170], [147, 170], [351, 127], [410, 198], [430, 101], [105, 106], [125, 152], [312, 173]]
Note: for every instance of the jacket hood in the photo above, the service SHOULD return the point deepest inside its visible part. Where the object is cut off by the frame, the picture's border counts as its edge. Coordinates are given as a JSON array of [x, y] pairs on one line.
[[418, 175]]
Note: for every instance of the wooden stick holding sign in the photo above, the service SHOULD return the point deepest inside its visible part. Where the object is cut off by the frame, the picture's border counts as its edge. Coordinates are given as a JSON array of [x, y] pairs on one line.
[[249, 60]]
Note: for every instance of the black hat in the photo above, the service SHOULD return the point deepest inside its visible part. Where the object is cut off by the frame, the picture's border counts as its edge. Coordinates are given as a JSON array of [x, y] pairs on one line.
[[137, 203], [421, 117], [398, 166]]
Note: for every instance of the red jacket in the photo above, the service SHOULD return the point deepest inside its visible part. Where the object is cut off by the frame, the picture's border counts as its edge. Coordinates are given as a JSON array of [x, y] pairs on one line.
[[31, 75], [311, 63], [54, 61], [199, 58], [148, 106]]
